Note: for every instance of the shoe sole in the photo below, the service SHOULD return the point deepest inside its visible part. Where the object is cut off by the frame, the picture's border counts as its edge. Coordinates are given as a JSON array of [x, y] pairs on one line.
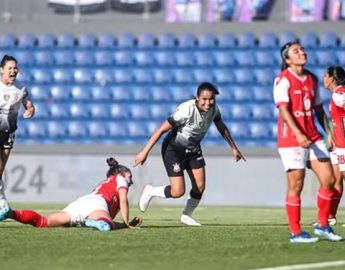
[[141, 210]]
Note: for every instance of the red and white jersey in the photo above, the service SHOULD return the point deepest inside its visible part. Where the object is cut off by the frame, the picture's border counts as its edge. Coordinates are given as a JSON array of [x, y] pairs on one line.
[[109, 190], [337, 112], [301, 95]]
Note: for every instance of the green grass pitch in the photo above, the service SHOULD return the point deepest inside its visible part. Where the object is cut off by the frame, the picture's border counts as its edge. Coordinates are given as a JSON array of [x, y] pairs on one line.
[[230, 238]]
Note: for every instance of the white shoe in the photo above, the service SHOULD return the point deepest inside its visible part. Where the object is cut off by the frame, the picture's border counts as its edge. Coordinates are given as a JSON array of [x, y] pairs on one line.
[[145, 198], [187, 220], [327, 233]]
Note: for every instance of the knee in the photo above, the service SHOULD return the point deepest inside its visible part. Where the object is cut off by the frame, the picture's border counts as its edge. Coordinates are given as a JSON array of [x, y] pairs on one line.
[[177, 192]]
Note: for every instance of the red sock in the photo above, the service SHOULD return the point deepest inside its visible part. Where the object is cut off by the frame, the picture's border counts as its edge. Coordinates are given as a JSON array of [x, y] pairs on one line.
[[110, 222], [324, 204], [30, 217], [293, 211], [335, 202]]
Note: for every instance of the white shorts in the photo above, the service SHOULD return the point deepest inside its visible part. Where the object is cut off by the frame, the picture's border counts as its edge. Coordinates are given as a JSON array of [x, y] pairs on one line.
[[297, 157], [84, 206], [338, 158]]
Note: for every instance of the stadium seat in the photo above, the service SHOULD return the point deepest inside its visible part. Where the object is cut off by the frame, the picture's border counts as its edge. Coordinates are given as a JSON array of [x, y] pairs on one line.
[[263, 93], [268, 41], [137, 129], [103, 76], [142, 75], [77, 129], [340, 57], [24, 58], [223, 75], [245, 58], [264, 76], [41, 110], [87, 41], [162, 76], [183, 76], [342, 42], [259, 130], [240, 112], [159, 111], [286, 37], [27, 41], [143, 58], [152, 126], [309, 40], [204, 59], [24, 76], [60, 93], [202, 75], [64, 58], [123, 58], [160, 94], [261, 112], [39, 92], [36, 129], [243, 75], [79, 110], [82, 76], [227, 41], [62, 75], [164, 58], [265, 58], [239, 129], [126, 41], [139, 112], [241, 93], [119, 111], [184, 59], [99, 110], [41, 76], [84, 58], [66, 41], [120, 93], [43, 58], [328, 40], [103, 58], [187, 41], [97, 129], [326, 57], [224, 58], [106, 41], [311, 57], [207, 41], [146, 41], [166, 41], [80, 93], [100, 93], [56, 129], [8, 41], [140, 94], [117, 129], [181, 93], [225, 94], [59, 111], [46, 41], [325, 94], [246, 40]]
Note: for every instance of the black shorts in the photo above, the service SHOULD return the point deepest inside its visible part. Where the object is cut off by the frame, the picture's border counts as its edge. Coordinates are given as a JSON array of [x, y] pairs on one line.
[[176, 160], [6, 140]]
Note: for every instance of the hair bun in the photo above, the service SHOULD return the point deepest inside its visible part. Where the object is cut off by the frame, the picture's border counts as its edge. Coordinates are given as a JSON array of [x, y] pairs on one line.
[[112, 162]]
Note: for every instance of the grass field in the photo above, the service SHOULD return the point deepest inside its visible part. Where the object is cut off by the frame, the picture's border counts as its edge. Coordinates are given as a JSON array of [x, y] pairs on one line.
[[230, 238]]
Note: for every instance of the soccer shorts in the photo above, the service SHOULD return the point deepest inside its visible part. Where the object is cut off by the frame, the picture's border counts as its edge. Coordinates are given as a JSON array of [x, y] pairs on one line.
[[6, 140], [338, 158], [297, 157]]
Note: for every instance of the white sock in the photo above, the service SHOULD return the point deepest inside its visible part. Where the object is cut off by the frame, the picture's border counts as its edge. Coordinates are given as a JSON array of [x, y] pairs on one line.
[[158, 191], [2, 191], [190, 206]]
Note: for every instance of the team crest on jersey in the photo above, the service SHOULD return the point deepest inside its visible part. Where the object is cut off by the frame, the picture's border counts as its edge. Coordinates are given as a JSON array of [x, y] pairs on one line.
[[6, 97], [176, 167]]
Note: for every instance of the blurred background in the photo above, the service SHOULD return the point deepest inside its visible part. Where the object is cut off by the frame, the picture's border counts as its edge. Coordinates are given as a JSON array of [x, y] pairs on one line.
[[104, 74]]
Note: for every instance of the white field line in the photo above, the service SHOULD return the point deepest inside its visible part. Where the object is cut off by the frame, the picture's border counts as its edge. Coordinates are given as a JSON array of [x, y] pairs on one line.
[[306, 266]]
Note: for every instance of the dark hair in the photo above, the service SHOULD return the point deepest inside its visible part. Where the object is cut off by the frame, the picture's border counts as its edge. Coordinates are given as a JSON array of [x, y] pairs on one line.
[[115, 167], [6, 59], [284, 52], [207, 86], [338, 73]]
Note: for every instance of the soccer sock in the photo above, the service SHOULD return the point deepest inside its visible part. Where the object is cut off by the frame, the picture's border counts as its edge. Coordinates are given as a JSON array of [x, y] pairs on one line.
[[324, 204], [110, 222], [192, 203], [335, 202], [161, 191], [30, 217], [293, 211], [2, 190]]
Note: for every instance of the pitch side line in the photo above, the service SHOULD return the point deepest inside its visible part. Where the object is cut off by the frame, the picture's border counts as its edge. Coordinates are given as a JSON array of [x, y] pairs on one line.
[[306, 266]]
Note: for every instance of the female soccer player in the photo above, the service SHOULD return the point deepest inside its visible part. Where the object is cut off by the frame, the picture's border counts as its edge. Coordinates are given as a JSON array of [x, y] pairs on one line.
[[181, 149], [96, 210], [334, 80], [296, 95], [10, 98]]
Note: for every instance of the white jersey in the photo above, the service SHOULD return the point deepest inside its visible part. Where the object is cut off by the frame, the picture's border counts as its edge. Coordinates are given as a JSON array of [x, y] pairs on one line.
[[10, 99], [191, 124]]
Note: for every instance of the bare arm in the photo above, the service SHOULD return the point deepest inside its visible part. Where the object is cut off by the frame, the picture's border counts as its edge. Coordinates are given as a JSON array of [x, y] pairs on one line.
[[29, 108], [322, 118], [224, 131], [124, 206], [142, 155]]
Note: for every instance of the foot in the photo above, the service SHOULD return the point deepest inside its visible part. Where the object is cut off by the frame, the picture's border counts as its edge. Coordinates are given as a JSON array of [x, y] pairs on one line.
[[145, 198], [99, 225], [5, 210], [187, 220], [302, 237], [327, 232]]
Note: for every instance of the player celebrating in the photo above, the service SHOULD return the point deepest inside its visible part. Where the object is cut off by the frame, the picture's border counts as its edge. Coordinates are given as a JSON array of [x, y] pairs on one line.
[[96, 210], [10, 98], [181, 150], [296, 95], [334, 80]]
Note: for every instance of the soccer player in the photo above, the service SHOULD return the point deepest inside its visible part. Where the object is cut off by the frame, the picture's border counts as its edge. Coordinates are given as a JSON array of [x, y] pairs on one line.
[[334, 80], [300, 145], [96, 210], [181, 150], [11, 96]]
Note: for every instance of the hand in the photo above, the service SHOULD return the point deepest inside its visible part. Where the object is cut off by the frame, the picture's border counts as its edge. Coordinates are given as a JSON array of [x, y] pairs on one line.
[[331, 144], [28, 113], [140, 159], [238, 155], [303, 140], [136, 221]]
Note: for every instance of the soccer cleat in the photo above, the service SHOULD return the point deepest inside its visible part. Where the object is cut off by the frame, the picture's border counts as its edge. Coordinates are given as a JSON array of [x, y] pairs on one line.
[[100, 225], [327, 232], [145, 198], [187, 220], [5, 210], [303, 237]]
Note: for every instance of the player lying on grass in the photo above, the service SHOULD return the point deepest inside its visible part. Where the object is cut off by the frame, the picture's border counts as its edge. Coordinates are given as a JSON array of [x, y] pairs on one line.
[[95, 210]]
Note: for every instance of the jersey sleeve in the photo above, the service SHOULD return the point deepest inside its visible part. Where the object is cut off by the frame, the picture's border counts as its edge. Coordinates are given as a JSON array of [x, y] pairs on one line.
[[339, 99], [121, 183], [281, 91], [180, 116]]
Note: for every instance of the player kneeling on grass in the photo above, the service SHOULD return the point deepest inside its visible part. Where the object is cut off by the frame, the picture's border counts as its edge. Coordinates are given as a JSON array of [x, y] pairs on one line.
[[95, 210]]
